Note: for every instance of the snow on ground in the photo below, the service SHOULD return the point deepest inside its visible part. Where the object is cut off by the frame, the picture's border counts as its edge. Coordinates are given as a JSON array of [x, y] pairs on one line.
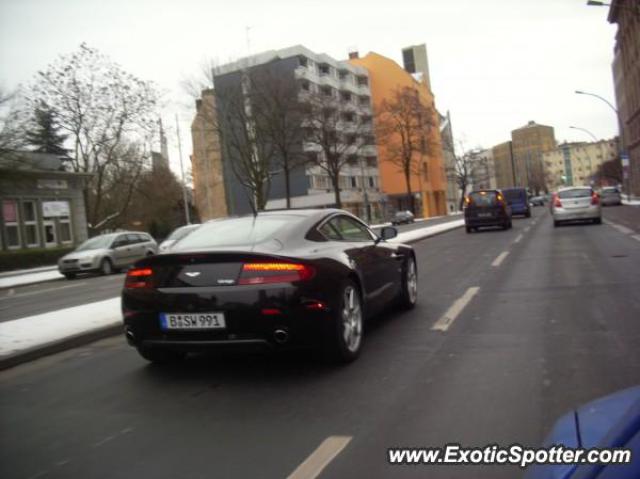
[[29, 278], [414, 235], [43, 329], [28, 271]]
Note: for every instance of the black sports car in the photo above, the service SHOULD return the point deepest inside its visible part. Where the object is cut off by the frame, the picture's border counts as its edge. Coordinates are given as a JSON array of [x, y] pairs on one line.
[[282, 279]]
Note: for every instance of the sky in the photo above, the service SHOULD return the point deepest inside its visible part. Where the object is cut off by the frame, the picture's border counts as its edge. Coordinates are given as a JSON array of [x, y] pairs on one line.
[[494, 64]]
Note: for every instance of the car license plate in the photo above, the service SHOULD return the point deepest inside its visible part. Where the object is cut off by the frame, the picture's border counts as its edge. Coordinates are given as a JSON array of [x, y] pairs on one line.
[[190, 321], [485, 215]]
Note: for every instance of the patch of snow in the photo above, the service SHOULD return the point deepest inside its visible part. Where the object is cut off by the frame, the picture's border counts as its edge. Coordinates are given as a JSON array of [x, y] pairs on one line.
[[19, 279], [34, 331], [414, 235]]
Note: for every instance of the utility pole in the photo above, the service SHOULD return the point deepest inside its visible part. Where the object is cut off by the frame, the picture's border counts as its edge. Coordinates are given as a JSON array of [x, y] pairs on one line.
[[184, 184]]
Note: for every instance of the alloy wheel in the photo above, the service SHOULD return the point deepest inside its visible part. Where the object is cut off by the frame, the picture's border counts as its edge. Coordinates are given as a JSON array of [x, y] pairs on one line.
[[351, 319]]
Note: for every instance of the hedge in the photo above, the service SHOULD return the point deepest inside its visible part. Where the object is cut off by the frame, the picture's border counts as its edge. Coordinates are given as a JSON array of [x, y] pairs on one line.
[[31, 258]]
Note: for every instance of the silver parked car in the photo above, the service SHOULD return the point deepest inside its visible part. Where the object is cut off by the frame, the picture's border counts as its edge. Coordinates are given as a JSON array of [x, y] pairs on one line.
[[610, 195], [176, 236], [107, 253], [578, 203]]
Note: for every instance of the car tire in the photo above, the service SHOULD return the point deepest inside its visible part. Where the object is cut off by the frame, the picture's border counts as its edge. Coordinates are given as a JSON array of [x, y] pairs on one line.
[[70, 275], [345, 340], [106, 267], [160, 355], [510, 224], [527, 214], [409, 285], [598, 221], [556, 223], [468, 228]]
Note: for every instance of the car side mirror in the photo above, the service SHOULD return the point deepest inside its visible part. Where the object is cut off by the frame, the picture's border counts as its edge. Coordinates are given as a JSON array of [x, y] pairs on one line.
[[388, 232]]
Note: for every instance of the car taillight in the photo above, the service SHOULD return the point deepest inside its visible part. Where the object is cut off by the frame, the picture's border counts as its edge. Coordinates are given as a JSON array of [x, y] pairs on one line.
[[467, 201], [595, 198], [266, 273], [138, 278], [556, 201]]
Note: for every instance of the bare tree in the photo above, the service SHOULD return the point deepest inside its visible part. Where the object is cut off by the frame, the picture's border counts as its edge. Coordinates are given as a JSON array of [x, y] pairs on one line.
[[104, 110], [338, 130], [403, 124], [280, 113], [13, 123], [242, 128], [463, 170]]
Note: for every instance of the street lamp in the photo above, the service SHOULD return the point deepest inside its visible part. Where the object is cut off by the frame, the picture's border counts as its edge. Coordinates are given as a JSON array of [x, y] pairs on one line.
[[586, 131], [624, 159], [595, 3]]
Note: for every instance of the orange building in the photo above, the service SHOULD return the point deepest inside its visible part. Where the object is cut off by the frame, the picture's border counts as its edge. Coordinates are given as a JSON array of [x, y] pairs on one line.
[[429, 183]]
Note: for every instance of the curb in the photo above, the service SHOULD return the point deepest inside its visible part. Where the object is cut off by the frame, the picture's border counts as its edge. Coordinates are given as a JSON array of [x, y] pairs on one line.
[[59, 345], [437, 233]]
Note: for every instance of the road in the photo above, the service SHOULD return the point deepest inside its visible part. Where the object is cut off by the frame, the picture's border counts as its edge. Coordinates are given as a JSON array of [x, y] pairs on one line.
[[23, 301], [553, 324]]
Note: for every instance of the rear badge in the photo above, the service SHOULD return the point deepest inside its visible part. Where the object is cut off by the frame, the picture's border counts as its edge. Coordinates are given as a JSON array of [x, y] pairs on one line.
[[226, 281], [193, 274]]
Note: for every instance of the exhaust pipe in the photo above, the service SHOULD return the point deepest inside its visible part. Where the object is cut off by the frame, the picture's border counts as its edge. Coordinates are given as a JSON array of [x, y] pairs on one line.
[[281, 336], [131, 338]]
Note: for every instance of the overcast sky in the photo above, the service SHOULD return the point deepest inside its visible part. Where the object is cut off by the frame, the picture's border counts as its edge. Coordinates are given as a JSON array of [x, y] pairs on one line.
[[495, 64]]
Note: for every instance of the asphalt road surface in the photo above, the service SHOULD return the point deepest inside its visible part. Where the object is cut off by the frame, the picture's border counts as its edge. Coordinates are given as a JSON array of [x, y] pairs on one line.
[[551, 322]]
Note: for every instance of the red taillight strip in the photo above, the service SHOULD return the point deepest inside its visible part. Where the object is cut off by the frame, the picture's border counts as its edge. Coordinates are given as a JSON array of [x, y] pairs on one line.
[[138, 278], [273, 267]]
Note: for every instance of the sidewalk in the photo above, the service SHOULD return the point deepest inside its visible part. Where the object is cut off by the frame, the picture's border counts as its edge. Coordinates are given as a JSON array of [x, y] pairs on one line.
[[25, 339], [21, 277]]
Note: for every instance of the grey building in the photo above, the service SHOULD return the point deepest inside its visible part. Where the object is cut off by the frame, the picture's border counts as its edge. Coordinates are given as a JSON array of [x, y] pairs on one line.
[[42, 204], [348, 86], [449, 156]]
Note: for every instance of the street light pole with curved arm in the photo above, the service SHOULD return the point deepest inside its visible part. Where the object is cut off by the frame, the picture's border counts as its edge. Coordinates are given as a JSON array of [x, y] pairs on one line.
[[580, 92], [586, 131]]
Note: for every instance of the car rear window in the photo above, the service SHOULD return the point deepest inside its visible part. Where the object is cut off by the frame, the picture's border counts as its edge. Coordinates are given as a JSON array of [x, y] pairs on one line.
[[514, 194], [240, 232], [483, 198], [577, 193], [610, 190]]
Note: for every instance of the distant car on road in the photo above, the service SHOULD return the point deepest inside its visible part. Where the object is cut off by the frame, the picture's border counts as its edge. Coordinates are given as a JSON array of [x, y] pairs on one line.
[[107, 253], [576, 203], [486, 208], [537, 201], [610, 196], [402, 217], [176, 236], [611, 422], [518, 200], [279, 280]]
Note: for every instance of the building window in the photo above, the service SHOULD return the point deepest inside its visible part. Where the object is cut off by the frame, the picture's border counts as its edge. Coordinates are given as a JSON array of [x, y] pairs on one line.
[[324, 69], [30, 221], [326, 91], [65, 230], [425, 171], [346, 96], [363, 81], [363, 101], [343, 74], [372, 182], [354, 182], [305, 85], [11, 228], [348, 117], [302, 61], [371, 161]]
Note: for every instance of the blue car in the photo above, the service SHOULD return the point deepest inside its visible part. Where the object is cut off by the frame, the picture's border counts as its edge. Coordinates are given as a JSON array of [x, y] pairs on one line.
[[518, 199], [609, 422]]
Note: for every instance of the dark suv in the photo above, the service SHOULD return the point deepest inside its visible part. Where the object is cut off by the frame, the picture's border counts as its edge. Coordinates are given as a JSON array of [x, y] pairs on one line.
[[486, 208]]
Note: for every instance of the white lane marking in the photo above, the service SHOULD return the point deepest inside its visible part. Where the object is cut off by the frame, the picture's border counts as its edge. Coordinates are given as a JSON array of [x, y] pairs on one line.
[[498, 261], [636, 237], [526, 230], [46, 290], [320, 458], [622, 229], [518, 238], [455, 309]]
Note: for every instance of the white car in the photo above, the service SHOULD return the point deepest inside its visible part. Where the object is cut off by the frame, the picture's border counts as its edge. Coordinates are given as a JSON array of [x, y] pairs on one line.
[[176, 236], [577, 203]]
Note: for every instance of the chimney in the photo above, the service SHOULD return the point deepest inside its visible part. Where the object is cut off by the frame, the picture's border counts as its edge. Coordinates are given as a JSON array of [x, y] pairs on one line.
[[353, 55]]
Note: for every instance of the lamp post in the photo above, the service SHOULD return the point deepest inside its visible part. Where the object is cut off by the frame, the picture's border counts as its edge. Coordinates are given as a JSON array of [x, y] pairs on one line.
[[626, 170], [586, 131]]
